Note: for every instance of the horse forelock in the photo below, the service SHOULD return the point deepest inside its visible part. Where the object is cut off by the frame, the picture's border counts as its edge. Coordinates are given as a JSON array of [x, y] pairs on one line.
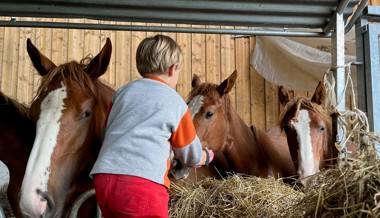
[[208, 91], [73, 71], [298, 103]]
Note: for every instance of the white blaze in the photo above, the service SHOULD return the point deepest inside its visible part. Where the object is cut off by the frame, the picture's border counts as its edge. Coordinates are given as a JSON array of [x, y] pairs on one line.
[[195, 105], [38, 167], [306, 165]]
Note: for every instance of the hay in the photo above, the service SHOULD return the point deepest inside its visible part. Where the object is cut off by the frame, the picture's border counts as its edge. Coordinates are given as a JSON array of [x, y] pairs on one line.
[[237, 196], [350, 189]]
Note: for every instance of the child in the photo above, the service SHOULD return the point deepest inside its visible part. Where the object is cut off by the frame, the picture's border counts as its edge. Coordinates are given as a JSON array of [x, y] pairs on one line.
[[147, 119]]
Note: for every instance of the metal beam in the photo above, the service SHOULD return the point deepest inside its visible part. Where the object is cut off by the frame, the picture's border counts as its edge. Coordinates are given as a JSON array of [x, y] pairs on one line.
[[259, 13], [247, 31]]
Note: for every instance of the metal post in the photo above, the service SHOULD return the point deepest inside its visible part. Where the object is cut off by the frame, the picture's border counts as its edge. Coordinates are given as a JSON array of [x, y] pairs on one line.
[[338, 65]]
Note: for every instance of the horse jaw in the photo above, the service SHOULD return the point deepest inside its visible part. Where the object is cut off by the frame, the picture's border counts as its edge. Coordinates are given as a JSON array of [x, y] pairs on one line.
[[307, 165], [32, 201]]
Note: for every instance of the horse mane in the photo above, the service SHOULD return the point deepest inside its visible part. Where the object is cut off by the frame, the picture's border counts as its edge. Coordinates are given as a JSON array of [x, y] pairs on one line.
[[210, 90], [22, 108], [73, 70], [303, 102]]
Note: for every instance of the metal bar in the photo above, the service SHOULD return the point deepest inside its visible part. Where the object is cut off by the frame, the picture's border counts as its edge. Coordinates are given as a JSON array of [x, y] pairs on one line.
[[248, 31], [372, 69], [79, 201], [338, 64], [360, 29], [302, 14], [340, 9], [356, 16]]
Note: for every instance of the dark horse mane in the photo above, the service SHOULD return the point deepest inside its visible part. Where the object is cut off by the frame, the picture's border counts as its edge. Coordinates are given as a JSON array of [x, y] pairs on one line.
[[303, 102], [72, 70], [206, 88], [21, 108]]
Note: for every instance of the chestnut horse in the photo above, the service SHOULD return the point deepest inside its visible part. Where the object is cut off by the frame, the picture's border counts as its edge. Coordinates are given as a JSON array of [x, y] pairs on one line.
[[309, 131], [17, 132], [70, 110], [247, 151]]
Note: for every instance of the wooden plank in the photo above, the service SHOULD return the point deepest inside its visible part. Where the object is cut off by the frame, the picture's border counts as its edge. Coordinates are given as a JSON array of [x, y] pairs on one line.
[[198, 54], [10, 56], [213, 57], [137, 37], [59, 52], [272, 108], [110, 75], [123, 57], [25, 68], [91, 40], [75, 42], [2, 42], [243, 98], [227, 59], [257, 92], [185, 77]]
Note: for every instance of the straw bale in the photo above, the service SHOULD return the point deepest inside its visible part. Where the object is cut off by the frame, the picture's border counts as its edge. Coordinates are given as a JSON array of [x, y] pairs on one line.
[[237, 196], [349, 189]]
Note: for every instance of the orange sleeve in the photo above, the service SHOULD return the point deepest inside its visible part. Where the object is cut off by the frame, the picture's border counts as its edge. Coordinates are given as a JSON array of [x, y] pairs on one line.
[[185, 133]]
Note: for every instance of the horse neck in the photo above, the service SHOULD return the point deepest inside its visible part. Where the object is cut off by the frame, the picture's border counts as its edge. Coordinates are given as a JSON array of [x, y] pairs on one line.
[[242, 149]]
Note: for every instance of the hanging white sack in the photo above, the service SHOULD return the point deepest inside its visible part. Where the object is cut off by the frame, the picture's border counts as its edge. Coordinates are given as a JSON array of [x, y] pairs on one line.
[[291, 64]]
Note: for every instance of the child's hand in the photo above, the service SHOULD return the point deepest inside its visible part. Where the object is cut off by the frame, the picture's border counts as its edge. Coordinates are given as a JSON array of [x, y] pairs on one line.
[[207, 157]]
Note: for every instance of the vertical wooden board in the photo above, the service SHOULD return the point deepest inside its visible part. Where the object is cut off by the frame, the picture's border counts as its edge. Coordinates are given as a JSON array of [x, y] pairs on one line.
[[243, 98], [271, 105], [75, 42], [59, 53], [213, 57], [300, 93], [257, 92], [110, 75], [198, 54], [122, 57], [137, 37], [91, 40], [374, 2], [2, 42], [10, 56], [185, 77], [227, 61], [25, 67]]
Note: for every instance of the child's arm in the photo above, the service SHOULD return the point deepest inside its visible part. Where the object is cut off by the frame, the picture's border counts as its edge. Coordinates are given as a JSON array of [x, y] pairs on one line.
[[207, 157]]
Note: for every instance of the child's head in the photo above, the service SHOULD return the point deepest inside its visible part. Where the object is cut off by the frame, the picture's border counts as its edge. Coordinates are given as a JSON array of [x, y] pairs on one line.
[[157, 54]]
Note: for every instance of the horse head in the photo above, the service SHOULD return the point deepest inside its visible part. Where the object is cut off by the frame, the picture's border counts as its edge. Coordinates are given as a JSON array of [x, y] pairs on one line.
[[209, 106], [69, 110], [309, 131]]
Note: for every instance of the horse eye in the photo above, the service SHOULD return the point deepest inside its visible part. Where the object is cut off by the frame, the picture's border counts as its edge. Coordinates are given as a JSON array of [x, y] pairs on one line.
[[86, 114], [209, 114], [321, 129]]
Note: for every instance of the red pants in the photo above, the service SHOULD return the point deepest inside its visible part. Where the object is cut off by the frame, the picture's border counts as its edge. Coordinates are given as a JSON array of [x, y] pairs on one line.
[[130, 196]]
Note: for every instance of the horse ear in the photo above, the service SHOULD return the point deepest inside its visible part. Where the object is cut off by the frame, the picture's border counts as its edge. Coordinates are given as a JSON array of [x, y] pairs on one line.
[[319, 94], [226, 86], [283, 95], [196, 81], [42, 64], [99, 63]]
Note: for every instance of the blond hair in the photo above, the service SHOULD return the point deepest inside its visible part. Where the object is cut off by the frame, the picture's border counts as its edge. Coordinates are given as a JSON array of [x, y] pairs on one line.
[[157, 53]]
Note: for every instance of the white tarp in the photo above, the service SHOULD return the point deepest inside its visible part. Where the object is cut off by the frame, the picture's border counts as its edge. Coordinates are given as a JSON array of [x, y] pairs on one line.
[[292, 64]]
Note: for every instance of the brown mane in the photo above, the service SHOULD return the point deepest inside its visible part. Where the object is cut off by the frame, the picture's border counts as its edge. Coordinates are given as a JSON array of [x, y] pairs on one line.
[[209, 89], [302, 102], [73, 70], [22, 109]]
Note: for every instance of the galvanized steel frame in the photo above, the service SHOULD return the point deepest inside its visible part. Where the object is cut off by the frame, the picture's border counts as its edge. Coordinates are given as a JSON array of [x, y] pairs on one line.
[[368, 52]]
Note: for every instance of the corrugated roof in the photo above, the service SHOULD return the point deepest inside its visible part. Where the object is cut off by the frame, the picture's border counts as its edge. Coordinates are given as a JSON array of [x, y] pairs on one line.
[[248, 13]]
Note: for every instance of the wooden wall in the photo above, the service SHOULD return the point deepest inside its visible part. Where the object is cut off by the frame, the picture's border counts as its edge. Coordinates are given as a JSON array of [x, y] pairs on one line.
[[212, 57]]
